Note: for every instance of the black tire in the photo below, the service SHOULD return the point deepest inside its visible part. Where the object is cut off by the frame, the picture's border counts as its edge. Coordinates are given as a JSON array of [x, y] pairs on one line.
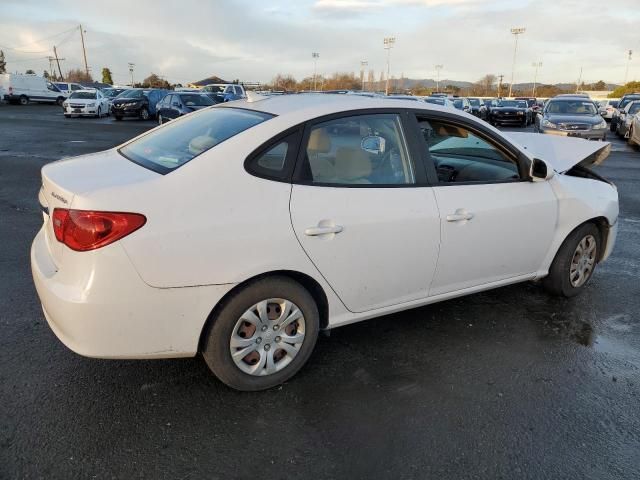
[[217, 351], [66, 115], [558, 281], [612, 126], [144, 113], [60, 101], [159, 119], [24, 100], [99, 113], [118, 118]]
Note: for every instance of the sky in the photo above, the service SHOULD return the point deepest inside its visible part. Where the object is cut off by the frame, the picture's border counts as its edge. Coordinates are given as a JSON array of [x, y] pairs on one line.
[[255, 40]]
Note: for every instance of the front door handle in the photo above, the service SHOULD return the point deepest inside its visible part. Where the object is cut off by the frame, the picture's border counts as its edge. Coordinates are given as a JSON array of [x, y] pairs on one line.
[[323, 230], [459, 216]]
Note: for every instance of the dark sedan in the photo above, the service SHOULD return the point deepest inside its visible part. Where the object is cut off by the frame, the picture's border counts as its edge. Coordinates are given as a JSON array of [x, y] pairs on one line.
[[510, 112], [478, 108], [572, 117], [137, 102], [175, 105]]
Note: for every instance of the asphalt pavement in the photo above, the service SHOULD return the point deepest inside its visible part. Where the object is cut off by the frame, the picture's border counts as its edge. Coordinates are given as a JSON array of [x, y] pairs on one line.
[[506, 384]]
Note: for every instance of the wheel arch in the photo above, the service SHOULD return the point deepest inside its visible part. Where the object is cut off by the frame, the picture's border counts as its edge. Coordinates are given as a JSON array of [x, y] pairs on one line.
[[308, 282], [603, 226]]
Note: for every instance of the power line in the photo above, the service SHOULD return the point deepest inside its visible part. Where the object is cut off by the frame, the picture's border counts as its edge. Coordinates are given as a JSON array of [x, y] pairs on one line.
[[38, 41]]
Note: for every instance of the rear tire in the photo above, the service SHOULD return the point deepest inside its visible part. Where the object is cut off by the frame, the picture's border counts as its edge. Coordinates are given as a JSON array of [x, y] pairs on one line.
[[260, 338], [575, 262]]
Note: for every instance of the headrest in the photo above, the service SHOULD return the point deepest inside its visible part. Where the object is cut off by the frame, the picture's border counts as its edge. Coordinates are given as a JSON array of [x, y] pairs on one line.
[[319, 141]]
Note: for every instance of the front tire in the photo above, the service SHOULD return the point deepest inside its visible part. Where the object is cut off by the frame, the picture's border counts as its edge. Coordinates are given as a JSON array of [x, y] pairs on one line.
[[575, 262], [99, 113], [262, 335], [160, 119], [24, 100], [144, 113]]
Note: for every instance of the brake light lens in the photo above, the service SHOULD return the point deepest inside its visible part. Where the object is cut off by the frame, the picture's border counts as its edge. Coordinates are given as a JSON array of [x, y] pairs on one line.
[[84, 230]]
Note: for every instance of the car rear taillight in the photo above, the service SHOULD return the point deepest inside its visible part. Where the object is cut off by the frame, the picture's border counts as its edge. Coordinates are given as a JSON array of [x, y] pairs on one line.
[[84, 230]]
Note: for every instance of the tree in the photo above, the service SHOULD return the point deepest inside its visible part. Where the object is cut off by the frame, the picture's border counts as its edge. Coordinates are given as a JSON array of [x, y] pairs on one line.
[[3, 64], [106, 76], [154, 81], [77, 75], [30, 72], [624, 89]]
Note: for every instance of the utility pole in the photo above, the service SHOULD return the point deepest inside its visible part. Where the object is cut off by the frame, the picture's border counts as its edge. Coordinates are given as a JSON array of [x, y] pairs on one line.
[[536, 65], [579, 81], [516, 33], [84, 51], [315, 56], [626, 73], [388, 45], [438, 68], [500, 85], [363, 64], [55, 53], [131, 65]]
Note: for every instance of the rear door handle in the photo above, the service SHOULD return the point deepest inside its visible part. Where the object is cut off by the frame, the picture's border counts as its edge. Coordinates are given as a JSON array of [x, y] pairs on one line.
[[459, 216], [321, 230]]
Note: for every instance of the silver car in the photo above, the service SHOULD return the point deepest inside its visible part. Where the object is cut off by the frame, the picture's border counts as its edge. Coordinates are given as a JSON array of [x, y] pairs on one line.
[[572, 116], [607, 107], [626, 117]]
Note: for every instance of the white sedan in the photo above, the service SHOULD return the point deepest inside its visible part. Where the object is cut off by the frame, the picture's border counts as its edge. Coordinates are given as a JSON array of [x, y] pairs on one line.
[[242, 230], [86, 102], [634, 130]]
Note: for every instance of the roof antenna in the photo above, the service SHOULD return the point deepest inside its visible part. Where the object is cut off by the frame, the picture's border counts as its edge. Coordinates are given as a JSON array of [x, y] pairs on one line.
[[255, 97]]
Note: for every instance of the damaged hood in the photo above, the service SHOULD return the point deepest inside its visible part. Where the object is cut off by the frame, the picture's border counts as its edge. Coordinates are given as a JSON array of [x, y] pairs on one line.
[[562, 153]]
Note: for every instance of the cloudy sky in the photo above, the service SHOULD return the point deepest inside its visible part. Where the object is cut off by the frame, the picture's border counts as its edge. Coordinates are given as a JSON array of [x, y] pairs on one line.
[[254, 40]]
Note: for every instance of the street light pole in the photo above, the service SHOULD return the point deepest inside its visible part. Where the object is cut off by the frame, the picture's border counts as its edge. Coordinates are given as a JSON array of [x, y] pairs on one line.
[[363, 64], [315, 56], [516, 32], [438, 68], [626, 73], [131, 65], [388, 45], [536, 65]]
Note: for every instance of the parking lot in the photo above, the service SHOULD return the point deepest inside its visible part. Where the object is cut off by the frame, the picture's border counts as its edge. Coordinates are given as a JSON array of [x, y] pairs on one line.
[[511, 383]]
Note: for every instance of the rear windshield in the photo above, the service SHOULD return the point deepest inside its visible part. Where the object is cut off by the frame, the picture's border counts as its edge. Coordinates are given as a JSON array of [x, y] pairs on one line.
[[474, 102], [195, 100], [437, 101], [178, 142]]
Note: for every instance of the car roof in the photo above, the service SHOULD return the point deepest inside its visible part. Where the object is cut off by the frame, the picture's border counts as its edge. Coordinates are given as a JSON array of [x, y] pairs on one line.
[[311, 105]]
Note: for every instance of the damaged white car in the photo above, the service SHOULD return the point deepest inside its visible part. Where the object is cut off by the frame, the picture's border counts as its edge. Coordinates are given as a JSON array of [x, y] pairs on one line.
[[242, 230]]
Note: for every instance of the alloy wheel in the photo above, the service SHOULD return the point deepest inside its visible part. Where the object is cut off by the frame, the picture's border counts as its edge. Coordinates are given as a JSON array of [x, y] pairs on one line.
[[267, 337]]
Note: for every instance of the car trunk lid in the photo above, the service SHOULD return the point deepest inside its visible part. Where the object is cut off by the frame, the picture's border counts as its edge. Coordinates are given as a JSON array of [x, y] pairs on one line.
[[562, 153], [67, 181]]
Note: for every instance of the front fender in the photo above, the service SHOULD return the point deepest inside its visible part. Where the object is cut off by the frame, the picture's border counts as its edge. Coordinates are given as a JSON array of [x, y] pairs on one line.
[[581, 200]]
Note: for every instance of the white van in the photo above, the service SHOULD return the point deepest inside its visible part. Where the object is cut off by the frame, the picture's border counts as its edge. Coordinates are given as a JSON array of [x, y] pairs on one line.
[[23, 89]]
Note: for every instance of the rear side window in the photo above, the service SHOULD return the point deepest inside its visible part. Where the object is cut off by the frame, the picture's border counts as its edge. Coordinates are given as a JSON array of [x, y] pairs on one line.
[[175, 144], [275, 161]]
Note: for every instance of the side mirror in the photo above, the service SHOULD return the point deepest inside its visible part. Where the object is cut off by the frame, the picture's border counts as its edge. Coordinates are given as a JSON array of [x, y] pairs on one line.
[[373, 144], [540, 170]]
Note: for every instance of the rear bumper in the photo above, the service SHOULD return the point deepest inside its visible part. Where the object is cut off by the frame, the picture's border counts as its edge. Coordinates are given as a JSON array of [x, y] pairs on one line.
[[98, 306]]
